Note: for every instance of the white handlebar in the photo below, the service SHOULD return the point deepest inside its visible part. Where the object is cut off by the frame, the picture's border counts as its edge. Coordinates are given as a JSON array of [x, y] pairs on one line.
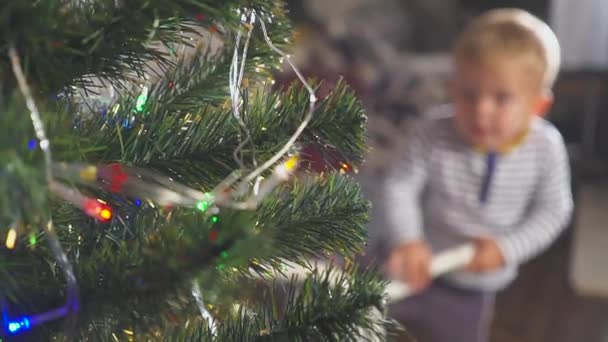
[[443, 262]]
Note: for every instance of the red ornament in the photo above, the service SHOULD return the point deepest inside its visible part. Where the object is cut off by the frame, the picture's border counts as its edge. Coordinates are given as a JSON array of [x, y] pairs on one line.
[[328, 80], [199, 16], [97, 210], [118, 177], [170, 84], [318, 158]]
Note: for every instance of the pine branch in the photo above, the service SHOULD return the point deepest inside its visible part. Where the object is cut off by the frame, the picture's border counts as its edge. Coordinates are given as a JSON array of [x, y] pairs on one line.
[[63, 42], [127, 269], [327, 306], [202, 79], [333, 305], [123, 277], [165, 140], [326, 216]]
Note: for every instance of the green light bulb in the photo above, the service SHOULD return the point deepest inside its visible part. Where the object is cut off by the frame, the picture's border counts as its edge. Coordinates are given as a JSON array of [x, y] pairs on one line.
[[202, 205]]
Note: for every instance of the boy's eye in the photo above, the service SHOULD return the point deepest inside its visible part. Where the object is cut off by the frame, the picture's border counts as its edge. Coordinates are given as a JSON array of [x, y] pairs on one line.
[[503, 98]]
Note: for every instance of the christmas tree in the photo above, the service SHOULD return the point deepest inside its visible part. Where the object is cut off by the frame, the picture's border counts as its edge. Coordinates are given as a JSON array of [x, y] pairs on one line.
[[154, 184]]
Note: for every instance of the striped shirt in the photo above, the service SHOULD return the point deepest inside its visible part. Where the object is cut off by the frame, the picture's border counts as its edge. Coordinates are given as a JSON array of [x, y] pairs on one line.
[[434, 194]]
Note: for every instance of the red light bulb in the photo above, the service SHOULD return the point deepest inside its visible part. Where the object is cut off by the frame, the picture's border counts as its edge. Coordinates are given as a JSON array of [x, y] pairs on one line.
[[98, 210]]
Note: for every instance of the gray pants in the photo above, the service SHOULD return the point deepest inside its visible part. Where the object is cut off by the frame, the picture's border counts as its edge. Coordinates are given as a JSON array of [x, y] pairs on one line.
[[446, 314]]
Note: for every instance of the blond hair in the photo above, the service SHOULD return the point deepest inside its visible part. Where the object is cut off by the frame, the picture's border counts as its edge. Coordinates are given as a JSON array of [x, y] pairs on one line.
[[511, 33]]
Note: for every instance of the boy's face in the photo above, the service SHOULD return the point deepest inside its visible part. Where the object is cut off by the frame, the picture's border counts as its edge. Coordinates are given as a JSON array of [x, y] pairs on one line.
[[495, 105]]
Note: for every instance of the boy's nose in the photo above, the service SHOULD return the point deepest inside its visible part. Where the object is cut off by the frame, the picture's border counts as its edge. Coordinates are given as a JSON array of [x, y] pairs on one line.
[[483, 111]]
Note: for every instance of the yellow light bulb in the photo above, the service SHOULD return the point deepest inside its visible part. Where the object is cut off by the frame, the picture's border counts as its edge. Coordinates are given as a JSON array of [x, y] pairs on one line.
[[291, 163], [89, 174], [105, 214], [11, 238]]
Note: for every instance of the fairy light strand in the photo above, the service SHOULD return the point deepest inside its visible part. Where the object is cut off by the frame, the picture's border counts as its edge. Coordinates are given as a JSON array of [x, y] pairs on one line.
[[143, 183], [236, 75], [303, 125], [34, 113], [281, 173], [179, 194], [51, 236], [198, 297]]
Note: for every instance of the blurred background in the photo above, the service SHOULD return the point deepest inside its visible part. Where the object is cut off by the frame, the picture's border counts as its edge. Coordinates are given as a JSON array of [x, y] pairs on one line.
[[394, 53]]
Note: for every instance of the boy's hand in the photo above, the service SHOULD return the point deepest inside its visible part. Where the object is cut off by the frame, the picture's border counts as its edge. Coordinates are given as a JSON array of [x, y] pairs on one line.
[[488, 256], [411, 263]]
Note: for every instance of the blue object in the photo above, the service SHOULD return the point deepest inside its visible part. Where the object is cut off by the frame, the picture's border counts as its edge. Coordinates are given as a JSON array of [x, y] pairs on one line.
[[31, 144], [489, 175], [18, 325], [137, 202]]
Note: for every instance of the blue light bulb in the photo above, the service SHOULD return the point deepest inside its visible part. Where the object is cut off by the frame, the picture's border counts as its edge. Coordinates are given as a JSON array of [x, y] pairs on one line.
[[13, 327], [18, 325], [31, 144]]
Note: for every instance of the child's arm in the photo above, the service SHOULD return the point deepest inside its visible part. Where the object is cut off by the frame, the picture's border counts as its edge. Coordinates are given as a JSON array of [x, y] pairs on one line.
[[410, 257], [403, 188], [550, 208]]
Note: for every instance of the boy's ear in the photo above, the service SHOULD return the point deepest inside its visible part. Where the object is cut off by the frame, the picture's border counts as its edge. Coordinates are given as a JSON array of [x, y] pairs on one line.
[[544, 103]]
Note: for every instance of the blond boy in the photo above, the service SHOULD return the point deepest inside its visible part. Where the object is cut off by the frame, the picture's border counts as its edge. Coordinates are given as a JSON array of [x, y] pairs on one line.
[[486, 169]]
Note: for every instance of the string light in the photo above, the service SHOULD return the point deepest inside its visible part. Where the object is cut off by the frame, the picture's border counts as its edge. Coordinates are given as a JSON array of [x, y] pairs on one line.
[[98, 209], [283, 171], [51, 236], [198, 297], [33, 239], [169, 193], [118, 177], [18, 325], [141, 100], [101, 211], [237, 82], [291, 163], [128, 122], [11, 238], [129, 334], [202, 206], [344, 168], [312, 99], [31, 145], [88, 174]]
